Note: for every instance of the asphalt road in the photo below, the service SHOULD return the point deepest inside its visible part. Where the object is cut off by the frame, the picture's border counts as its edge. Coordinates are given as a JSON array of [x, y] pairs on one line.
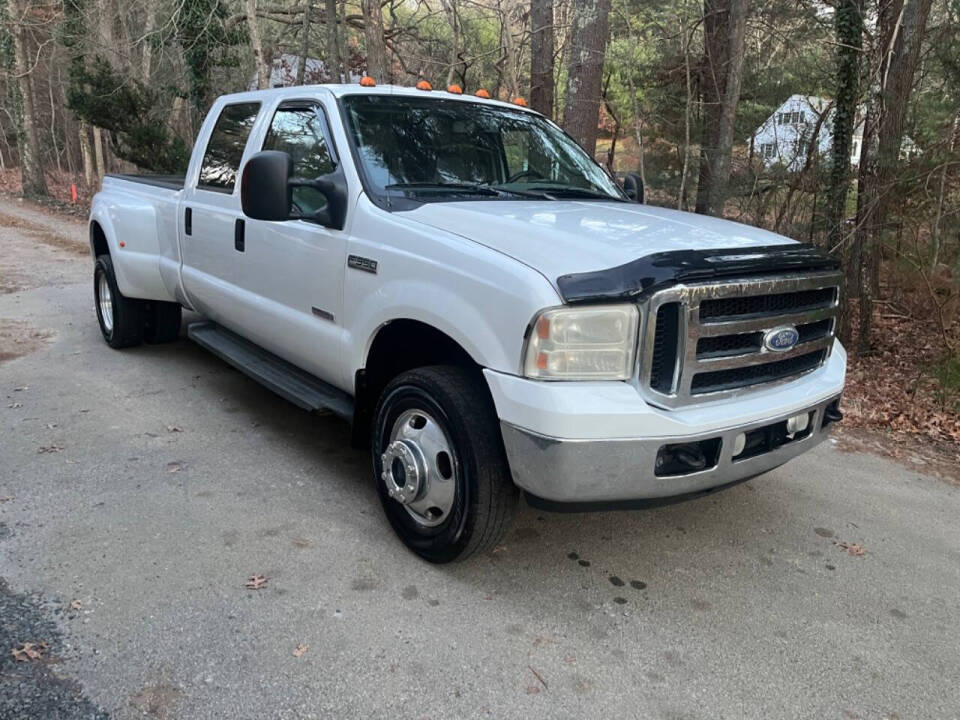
[[148, 485]]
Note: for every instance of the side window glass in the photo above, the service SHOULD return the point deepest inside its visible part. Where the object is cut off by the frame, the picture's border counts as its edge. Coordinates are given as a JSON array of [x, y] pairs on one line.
[[299, 132], [225, 148]]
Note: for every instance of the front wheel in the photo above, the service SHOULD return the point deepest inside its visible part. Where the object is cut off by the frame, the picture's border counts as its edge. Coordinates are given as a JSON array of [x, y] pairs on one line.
[[439, 463]]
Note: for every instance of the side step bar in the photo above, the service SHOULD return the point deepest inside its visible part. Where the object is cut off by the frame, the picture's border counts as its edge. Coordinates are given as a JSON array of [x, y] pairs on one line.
[[289, 382]]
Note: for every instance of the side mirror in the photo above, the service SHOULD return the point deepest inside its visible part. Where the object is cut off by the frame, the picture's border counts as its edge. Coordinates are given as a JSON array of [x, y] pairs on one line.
[[633, 187], [265, 186], [266, 191]]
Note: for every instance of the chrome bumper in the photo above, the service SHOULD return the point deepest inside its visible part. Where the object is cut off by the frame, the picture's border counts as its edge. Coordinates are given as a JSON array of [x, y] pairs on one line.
[[586, 471]]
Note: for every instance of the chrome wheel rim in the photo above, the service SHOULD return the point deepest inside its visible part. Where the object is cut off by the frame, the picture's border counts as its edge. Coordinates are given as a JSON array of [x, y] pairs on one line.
[[419, 467], [105, 301]]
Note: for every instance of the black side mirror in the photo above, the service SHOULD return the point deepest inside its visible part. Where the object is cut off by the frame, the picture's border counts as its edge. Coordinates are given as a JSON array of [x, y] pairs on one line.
[[265, 186], [633, 187], [266, 191]]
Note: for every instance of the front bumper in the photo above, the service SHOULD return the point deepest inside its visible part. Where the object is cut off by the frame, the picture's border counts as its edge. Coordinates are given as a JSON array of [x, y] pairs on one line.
[[603, 471]]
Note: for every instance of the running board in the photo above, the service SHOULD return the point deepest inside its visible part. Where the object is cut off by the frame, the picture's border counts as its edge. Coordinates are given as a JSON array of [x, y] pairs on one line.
[[288, 381]]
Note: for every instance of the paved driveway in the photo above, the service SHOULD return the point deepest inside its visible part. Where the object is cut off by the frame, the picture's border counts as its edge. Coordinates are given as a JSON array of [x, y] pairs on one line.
[[145, 487]]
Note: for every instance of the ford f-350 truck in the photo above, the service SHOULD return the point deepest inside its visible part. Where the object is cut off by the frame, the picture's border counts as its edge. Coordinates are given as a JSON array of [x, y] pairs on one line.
[[462, 282]]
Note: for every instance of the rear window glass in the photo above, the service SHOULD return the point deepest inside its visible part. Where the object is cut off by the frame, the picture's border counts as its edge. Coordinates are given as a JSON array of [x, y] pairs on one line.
[[225, 149]]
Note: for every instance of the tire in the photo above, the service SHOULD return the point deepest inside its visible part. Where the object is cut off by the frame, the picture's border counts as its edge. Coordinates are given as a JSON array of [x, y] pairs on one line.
[[426, 406], [161, 322], [120, 318]]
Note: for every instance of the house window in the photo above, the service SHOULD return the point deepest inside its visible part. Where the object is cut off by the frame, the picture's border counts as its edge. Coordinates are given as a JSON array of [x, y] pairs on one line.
[[768, 150]]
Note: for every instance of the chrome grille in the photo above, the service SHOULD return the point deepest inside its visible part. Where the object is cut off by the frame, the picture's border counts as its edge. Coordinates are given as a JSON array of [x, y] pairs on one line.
[[705, 341]]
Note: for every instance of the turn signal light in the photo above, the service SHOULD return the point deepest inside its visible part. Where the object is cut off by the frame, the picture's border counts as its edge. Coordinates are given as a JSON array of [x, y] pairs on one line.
[[424, 85], [481, 93], [455, 89], [368, 81]]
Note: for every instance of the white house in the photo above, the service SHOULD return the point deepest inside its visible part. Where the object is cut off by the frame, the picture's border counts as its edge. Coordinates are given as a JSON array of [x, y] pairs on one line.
[[785, 136], [283, 72]]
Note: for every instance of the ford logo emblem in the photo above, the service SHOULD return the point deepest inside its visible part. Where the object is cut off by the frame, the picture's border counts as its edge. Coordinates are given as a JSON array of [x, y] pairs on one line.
[[781, 339]]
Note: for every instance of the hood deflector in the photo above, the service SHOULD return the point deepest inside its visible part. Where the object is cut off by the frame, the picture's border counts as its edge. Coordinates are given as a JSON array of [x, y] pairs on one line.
[[638, 279]]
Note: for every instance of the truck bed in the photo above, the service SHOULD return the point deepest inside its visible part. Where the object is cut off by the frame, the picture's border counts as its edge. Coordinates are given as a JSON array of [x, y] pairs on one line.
[[171, 182]]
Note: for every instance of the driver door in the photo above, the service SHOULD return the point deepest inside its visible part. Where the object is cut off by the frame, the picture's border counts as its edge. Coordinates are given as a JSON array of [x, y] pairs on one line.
[[295, 268]]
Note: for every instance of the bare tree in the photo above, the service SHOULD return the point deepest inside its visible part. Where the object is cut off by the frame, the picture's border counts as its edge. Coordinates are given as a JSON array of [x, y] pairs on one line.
[[901, 27], [31, 171], [256, 42], [588, 39], [377, 65], [333, 40], [304, 41], [725, 23], [541, 56]]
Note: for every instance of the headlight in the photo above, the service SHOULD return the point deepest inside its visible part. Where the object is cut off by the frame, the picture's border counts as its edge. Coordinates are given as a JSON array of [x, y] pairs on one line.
[[582, 343]]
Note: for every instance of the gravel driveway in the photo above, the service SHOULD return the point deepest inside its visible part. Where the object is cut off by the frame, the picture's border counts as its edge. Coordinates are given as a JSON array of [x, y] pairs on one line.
[[140, 490]]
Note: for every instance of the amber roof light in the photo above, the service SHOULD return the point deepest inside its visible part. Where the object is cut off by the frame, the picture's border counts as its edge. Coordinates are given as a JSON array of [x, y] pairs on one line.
[[481, 93], [424, 85], [367, 81], [520, 101], [455, 89]]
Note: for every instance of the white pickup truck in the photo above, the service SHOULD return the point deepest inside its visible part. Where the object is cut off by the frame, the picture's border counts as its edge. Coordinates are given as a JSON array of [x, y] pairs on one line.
[[480, 299]]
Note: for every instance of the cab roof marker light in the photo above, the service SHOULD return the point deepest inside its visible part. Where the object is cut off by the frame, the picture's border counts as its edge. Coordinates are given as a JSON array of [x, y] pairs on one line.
[[367, 81], [424, 85], [481, 93], [455, 89], [519, 101]]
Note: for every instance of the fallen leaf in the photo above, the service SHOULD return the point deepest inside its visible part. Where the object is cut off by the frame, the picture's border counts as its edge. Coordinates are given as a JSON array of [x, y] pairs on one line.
[[532, 690], [175, 466], [15, 405], [76, 605], [6, 499], [299, 650], [51, 426], [257, 582], [49, 449], [173, 429], [21, 389], [852, 548], [28, 651]]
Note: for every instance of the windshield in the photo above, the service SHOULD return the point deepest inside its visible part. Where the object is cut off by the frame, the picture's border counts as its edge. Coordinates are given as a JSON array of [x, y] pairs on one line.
[[437, 149]]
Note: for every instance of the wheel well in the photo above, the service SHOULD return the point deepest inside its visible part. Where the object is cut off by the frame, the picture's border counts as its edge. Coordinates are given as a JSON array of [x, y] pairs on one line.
[[98, 240], [400, 345]]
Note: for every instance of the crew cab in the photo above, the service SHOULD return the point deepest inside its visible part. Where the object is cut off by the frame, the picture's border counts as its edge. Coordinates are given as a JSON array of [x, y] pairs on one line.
[[484, 303]]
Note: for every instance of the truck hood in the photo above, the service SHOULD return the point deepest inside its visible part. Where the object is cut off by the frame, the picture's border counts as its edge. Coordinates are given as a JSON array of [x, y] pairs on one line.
[[558, 237]]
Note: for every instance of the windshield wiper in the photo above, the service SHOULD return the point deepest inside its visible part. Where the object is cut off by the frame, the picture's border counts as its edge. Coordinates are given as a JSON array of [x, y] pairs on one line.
[[553, 192], [444, 187], [476, 188]]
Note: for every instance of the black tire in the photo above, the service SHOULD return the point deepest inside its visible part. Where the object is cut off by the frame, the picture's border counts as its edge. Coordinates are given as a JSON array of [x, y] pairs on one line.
[[125, 326], [485, 498], [161, 322]]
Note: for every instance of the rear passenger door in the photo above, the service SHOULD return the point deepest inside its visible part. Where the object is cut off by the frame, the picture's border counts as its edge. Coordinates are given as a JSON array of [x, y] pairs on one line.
[[295, 268], [210, 213]]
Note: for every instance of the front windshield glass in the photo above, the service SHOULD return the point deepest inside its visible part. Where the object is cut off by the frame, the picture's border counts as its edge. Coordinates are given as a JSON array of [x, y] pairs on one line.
[[436, 148]]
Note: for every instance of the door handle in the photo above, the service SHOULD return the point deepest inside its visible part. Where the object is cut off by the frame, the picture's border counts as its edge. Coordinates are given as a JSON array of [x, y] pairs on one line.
[[188, 221], [239, 239]]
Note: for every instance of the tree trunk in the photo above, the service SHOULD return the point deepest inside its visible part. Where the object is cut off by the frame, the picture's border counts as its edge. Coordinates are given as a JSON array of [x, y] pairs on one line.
[[541, 56], [848, 22], [510, 72], [87, 153], [304, 41], [451, 11], [901, 29], [98, 153], [725, 23], [31, 171], [256, 42], [588, 39], [333, 41], [146, 65], [377, 65]]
